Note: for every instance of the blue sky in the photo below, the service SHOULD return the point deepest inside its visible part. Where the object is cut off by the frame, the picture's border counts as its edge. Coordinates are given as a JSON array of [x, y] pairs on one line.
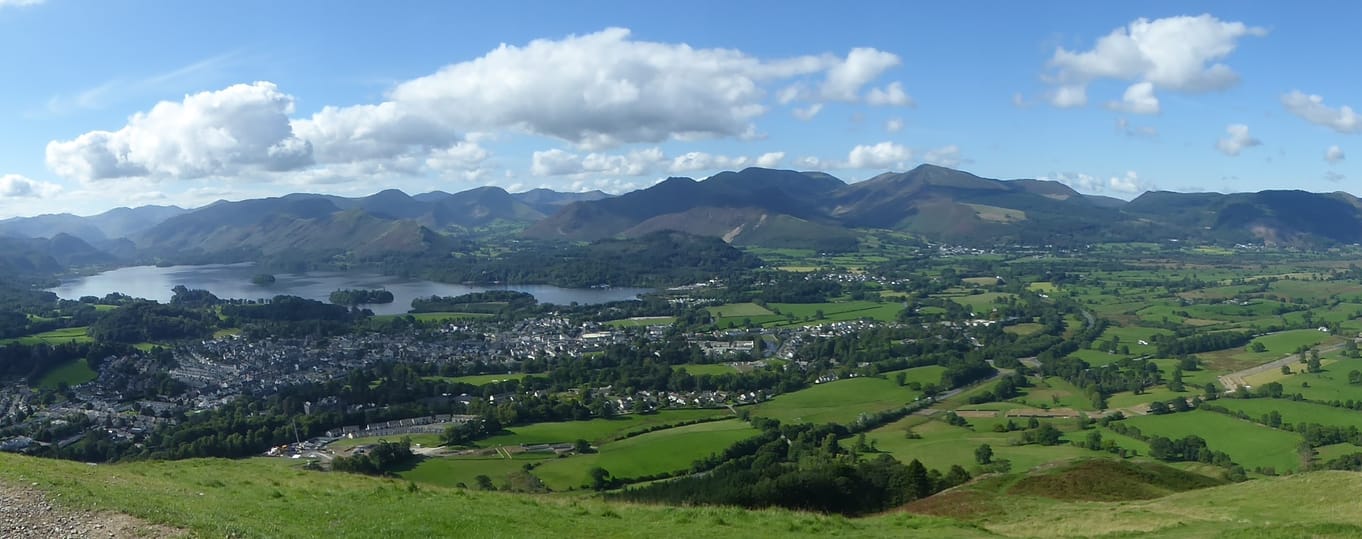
[[111, 104]]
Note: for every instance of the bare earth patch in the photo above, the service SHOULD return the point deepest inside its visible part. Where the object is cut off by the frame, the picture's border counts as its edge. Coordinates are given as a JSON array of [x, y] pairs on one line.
[[27, 512]]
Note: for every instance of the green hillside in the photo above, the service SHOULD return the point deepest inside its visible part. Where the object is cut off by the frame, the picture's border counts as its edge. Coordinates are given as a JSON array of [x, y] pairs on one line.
[[277, 498]]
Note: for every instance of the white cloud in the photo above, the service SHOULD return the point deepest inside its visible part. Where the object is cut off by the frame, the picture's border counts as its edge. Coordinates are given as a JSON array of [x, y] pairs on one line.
[[1311, 108], [1237, 139], [20, 3], [861, 66], [893, 125], [243, 127], [694, 161], [892, 95], [770, 159], [1332, 176], [462, 160], [885, 155], [1130, 183], [1020, 101], [1139, 98], [946, 156], [807, 113], [16, 186], [1069, 96], [1175, 53], [604, 89], [557, 162], [1334, 154]]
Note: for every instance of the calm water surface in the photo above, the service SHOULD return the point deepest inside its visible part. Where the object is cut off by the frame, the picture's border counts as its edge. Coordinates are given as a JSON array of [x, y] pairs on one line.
[[234, 281]]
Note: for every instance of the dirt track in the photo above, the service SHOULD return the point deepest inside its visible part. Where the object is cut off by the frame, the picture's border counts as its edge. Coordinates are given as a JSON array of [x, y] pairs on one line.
[[27, 512]]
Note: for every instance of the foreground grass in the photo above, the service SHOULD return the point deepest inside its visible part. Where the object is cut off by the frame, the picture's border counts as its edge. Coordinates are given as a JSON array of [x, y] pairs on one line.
[[274, 498]]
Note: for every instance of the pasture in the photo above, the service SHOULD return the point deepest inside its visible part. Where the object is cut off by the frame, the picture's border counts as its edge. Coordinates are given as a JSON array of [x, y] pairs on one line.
[[72, 373], [1248, 444], [841, 401], [56, 336], [596, 430], [663, 451]]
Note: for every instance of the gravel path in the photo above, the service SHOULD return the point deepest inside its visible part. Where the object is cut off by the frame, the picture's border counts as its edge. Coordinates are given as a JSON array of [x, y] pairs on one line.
[[27, 513]]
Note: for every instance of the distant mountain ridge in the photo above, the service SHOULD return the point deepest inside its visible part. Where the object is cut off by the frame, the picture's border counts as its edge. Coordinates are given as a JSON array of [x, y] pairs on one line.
[[751, 207]]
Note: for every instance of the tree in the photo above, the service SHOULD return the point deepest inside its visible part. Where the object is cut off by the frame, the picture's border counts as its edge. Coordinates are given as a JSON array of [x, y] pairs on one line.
[[1257, 347], [1355, 377], [983, 454], [484, 482], [600, 478], [901, 378], [581, 446], [1286, 369]]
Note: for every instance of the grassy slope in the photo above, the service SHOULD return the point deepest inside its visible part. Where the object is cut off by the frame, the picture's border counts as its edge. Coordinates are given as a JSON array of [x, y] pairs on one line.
[[272, 498]]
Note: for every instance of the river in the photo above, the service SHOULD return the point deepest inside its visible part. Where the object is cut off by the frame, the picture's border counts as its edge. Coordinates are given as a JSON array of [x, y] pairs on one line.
[[234, 281]]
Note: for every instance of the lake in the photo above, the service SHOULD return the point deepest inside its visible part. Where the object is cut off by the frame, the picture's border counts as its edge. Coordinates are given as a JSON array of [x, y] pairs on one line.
[[234, 281]]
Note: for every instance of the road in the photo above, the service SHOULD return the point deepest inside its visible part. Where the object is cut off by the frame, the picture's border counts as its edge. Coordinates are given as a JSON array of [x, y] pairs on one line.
[[1235, 380], [931, 409]]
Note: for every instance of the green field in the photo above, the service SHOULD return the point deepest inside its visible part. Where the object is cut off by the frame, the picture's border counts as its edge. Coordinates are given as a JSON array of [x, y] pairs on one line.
[[643, 321], [56, 336], [1286, 342], [738, 310], [843, 401], [434, 317], [451, 471], [1295, 412], [1026, 328], [72, 373], [596, 430], [479, 379], [663, 451], [942, 446], [710, 368], [1248, 444]]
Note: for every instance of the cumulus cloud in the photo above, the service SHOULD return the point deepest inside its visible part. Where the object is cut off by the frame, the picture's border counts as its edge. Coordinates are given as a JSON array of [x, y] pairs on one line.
[[883, 155], [1237, 138], [594, 91], [1128, 184], [770, 159], [16, 186], [1139, 98], [1069, 96], [1334, 154], [1175, 53], [861, 66], [892, 95], [808, 112], [693, 161], [557, 162], [946, 156], [893, 125], [1311, 108], [240, 128], [598, 91]]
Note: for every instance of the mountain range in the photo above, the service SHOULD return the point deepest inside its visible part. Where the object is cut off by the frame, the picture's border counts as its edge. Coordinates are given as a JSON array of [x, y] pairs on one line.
[[751, 207]]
